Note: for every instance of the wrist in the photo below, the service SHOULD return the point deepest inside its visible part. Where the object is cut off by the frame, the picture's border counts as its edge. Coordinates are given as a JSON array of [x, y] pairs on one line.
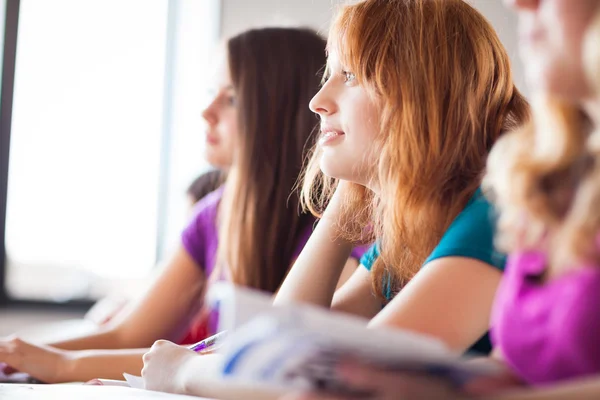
[[328, 230], [184, 374], [195, 371], [66, 366]]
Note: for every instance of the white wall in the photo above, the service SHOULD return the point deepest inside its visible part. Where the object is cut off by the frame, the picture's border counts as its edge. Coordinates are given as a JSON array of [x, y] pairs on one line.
[[505, 23], [238, 15]]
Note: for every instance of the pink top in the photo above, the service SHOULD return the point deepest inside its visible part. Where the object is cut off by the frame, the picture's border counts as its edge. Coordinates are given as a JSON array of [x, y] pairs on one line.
[[548, 331]]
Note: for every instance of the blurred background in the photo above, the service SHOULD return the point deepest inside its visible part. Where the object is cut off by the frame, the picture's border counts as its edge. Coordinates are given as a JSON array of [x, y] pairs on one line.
[[101, 133]]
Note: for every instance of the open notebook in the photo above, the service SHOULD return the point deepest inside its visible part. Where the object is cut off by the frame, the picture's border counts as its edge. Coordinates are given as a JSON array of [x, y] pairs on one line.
[[298, 347]]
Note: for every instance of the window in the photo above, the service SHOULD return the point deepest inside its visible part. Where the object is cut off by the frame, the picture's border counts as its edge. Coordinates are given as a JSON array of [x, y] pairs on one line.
[[107, 94]]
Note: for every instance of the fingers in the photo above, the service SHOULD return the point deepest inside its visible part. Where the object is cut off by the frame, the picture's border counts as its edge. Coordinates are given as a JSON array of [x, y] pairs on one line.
[[8, 370], [155, 347], [9, 351]]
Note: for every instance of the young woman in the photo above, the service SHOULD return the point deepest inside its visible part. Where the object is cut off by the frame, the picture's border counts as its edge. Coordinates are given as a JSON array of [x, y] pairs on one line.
[[546, 181], [250, 231], [416, 95], [417, 92]]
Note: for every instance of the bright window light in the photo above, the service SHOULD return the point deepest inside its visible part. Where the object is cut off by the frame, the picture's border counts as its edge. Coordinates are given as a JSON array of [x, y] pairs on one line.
[[88, 140]]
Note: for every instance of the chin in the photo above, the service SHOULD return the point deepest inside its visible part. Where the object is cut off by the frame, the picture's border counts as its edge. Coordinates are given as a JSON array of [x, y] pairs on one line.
[[334, 169], [216, 161]]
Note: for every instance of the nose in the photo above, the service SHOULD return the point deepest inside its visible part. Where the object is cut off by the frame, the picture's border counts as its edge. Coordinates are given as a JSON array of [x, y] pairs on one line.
[[528, 5], [209, 114], [323, 102]]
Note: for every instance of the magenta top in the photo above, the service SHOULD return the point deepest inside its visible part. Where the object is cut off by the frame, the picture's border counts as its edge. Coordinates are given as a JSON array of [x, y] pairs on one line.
[[548, 331]]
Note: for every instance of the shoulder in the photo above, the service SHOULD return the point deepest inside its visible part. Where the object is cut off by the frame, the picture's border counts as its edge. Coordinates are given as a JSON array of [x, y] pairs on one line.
[[471, 234], [200, 237], [205, 210], [204, 217], [207, 206]]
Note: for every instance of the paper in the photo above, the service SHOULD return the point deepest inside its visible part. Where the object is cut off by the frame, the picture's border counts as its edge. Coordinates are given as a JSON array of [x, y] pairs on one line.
[[136, 382], [299, 347]]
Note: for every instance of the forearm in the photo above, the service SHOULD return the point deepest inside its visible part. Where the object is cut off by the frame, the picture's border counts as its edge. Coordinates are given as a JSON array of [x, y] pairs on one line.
[[316, 272], [109, 364], [102, 339]]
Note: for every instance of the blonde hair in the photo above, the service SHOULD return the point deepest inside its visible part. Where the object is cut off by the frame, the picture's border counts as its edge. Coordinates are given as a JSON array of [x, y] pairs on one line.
[[443, 80], [545, 177]]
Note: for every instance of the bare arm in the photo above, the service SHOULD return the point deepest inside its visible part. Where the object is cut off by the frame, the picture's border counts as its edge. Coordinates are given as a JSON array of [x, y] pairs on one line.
[[450, 298], [315, 274], [356, 297], [84, 365], [165, 308], [317, 270], [349, 268], [160, 313]]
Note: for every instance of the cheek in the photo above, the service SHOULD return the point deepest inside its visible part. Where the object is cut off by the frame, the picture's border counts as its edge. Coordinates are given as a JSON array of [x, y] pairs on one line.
[[367, 120], [230, 130]]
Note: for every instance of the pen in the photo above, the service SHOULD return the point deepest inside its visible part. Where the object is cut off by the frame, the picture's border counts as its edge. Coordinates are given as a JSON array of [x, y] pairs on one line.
[[209, 344]]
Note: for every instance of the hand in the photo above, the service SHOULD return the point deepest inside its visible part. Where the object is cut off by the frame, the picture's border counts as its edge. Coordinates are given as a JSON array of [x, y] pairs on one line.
[[389, 385], [44, 363], [335, 205], [163, 366]]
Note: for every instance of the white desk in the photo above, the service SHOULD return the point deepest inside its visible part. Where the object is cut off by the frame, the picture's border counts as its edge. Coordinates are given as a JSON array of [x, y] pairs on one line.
[[78, 391]]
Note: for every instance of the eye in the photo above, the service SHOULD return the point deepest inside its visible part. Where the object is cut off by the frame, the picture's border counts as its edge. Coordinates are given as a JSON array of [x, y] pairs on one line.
[[349, 77], [230, 100]]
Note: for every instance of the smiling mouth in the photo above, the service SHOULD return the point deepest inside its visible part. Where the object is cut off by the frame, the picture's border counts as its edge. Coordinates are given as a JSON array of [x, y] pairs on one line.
[[329, 137], [210, 139]]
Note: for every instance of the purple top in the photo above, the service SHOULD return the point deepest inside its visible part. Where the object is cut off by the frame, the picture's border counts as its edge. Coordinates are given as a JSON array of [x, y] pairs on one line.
[[200, 238], [548, 331]]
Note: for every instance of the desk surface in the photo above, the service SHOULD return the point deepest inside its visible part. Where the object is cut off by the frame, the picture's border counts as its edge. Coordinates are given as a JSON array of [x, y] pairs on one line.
[[88, 392]]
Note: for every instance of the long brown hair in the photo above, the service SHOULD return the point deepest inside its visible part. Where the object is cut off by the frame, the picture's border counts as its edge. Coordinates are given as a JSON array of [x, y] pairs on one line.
[[443, 81], [545, 177], [275, 72]]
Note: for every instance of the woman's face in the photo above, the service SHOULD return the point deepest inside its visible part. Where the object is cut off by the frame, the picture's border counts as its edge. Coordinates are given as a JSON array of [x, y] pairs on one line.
[[349, 125], [221, 117], [551, 37]]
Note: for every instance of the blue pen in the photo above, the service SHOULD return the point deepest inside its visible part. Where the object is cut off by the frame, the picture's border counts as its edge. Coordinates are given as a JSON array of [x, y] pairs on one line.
[[209, 344]]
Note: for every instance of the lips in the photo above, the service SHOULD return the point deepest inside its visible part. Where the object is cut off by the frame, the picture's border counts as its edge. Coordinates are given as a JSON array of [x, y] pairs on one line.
[[212, 139], [329, 136]]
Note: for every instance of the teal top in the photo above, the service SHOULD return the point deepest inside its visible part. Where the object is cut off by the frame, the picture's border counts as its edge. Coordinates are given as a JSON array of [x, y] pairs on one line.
[[470, 235]]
